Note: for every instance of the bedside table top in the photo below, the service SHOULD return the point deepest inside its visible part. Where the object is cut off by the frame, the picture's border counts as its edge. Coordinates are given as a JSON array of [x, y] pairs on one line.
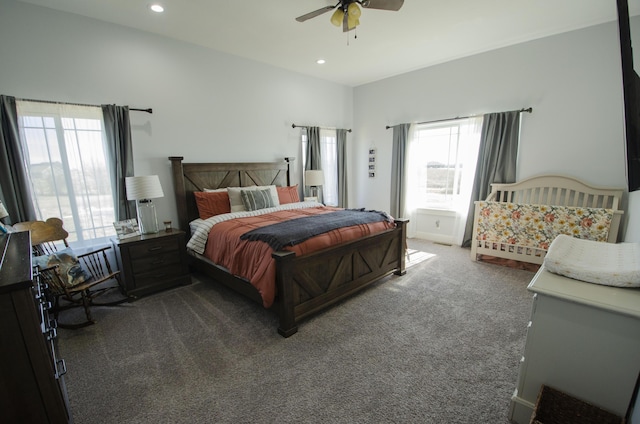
[[144, 237]]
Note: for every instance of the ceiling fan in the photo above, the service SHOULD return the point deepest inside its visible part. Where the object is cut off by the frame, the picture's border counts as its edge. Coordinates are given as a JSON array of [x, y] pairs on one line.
[[347, 12]]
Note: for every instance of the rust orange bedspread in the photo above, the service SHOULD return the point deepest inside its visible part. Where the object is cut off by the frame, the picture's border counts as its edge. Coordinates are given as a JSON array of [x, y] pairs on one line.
[[252, 260]]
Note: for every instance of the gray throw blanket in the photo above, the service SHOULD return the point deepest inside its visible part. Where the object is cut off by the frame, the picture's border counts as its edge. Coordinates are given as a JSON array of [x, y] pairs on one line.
[[295, 231]]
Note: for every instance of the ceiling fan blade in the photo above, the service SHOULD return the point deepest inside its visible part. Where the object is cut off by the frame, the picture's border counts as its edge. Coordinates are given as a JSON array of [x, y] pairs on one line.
[[315, 13], [383, 4]]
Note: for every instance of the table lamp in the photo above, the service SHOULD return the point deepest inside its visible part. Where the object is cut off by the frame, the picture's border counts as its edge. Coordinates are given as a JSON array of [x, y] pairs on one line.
[[314, 178], [142, 189]]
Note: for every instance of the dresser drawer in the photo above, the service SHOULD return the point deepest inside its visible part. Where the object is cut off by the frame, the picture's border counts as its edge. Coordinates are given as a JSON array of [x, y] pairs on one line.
[[154, 248]]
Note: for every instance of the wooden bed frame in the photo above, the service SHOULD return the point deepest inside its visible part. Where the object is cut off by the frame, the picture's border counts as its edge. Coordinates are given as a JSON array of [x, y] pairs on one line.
[[304, 284], [553, 190]]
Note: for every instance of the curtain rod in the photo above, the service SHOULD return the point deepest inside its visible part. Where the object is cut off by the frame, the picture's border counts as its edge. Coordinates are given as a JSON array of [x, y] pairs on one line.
[[529, 110], [324, 128], [148, 110]]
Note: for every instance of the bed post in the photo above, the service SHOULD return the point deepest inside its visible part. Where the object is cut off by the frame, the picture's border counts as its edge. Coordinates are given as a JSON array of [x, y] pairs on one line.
[[289, 160], [402, 224], [181, 196], [284, 286]]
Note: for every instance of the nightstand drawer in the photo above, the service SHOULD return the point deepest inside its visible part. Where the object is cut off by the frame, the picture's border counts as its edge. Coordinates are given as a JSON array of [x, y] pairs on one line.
[[146, 250], [158, 274], [150, 263]]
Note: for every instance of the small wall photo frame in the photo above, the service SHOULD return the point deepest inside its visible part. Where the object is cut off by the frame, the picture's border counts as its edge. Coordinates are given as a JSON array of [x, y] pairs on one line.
[[372, 162], [127, 228]]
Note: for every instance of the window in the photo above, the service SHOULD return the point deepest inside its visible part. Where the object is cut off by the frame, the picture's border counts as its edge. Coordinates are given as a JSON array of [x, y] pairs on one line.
[[442, 163], [67, 165], [329, 164]]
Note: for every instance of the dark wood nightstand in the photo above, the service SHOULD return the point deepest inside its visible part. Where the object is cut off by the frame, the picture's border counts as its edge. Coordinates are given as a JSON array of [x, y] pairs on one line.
[[152, 262]]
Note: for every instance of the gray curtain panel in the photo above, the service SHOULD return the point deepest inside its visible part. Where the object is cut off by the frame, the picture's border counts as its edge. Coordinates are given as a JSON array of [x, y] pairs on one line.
[[15, 189], [398, 166], [120, 150], [496, 159], [341, 136], [313, 155]]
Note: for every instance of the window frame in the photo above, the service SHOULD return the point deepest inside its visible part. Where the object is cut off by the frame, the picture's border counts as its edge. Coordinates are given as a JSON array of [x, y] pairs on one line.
[[467, 137], [78, 206]]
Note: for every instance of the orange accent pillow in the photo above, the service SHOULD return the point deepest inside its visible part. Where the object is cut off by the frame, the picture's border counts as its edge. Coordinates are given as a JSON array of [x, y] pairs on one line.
[[288, 194], [212, 203]]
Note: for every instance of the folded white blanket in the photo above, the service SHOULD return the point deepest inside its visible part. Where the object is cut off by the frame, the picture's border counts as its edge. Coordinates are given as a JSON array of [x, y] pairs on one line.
[[610, 264]]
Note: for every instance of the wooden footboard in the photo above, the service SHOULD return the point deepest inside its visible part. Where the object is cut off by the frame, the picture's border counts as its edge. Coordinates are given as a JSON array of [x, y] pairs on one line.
[[308, 283]]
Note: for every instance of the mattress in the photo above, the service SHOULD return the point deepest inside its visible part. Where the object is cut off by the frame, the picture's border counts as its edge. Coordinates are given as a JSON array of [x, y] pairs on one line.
[[609, 264]]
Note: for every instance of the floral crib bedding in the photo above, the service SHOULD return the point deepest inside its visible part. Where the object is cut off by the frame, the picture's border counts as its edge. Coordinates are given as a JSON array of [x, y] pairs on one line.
[[524, 228]]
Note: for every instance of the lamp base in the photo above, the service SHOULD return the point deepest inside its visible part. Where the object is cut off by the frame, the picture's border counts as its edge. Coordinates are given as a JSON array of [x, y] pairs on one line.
[[147, 217]]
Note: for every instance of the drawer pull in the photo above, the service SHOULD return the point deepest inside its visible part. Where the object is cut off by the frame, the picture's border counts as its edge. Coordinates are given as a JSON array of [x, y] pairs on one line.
[[52, 333], [153, 249], [60, 364]]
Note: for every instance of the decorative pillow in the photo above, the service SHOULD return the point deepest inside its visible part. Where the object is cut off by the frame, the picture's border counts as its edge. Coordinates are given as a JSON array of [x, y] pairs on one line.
[[69, 268], [212, 203], [236, 199], [214, 190], [288, 194], [256, 199]]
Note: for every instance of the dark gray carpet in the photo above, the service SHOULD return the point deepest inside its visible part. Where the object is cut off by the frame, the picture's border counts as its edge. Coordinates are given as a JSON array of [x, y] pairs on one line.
[[438, 345]]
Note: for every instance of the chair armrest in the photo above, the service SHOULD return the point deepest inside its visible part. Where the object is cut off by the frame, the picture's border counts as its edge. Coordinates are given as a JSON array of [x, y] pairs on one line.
[[93, 252]]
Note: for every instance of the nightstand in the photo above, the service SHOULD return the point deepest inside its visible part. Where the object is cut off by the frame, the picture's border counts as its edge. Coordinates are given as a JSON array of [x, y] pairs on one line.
[[152, 262]]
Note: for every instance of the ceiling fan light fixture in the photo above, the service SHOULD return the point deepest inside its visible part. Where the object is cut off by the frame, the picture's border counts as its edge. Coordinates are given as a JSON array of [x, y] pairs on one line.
[[353, 15], [337, 17], [354, 10]]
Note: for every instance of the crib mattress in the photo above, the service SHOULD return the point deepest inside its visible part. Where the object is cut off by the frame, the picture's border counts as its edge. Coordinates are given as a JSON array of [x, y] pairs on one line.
[[609, 264]]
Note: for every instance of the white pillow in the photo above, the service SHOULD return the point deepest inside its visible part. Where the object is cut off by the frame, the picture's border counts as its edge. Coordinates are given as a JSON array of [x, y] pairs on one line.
[[212, 190], [235, 197]]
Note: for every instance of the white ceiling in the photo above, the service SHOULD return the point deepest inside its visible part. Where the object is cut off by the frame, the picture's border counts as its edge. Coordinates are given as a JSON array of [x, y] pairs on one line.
[[422, 33]]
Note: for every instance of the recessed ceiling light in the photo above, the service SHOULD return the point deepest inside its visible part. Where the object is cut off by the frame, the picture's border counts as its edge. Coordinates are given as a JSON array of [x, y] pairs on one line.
[[157, 8], [320, 61]]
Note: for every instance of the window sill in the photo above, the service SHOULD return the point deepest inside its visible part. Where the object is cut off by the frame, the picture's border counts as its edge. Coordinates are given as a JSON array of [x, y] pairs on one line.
[[434, 211]]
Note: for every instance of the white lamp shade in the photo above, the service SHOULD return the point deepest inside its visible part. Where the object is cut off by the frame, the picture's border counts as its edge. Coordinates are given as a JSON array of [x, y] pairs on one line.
[[144, 187], [313, 178], [3, 211]]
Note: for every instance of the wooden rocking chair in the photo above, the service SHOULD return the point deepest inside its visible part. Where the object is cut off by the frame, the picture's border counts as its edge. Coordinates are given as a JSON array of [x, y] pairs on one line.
[[72, 280]]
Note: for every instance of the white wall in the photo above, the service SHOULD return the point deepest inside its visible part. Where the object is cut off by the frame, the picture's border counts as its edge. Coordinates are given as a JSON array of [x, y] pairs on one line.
[[207, 106], [211, 106], [573, 82]]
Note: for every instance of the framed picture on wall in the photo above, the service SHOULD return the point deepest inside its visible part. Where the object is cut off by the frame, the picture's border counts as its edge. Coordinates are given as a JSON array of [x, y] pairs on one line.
[[372, 162]]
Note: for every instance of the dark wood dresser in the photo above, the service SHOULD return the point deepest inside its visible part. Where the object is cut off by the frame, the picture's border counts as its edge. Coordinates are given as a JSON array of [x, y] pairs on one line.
[[32, 388]]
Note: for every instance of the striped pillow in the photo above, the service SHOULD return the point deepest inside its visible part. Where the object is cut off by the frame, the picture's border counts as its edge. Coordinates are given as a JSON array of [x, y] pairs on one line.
[[256, 199]]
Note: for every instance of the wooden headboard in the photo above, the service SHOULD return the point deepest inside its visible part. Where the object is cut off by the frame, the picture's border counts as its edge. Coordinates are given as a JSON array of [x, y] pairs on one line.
[[190, 177]]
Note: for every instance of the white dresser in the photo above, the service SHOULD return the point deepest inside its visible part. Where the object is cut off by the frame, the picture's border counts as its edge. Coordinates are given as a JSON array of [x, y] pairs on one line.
[[583, 339]]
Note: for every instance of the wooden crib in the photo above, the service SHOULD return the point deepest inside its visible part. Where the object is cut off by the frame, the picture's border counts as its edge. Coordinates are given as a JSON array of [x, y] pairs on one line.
[[518, 221]]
